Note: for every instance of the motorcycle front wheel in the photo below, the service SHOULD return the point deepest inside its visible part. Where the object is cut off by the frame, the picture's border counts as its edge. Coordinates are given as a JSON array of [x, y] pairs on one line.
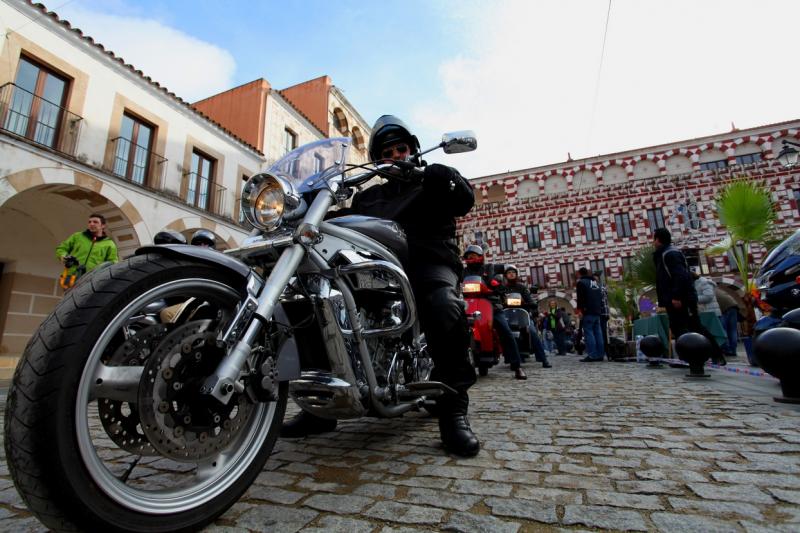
[[105, 427]]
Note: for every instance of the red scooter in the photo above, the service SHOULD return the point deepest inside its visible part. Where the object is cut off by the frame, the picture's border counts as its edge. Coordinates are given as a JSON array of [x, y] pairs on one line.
[[485, 346]]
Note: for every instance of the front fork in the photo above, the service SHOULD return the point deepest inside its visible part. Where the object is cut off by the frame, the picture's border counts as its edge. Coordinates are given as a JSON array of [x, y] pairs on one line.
[[225, 379]]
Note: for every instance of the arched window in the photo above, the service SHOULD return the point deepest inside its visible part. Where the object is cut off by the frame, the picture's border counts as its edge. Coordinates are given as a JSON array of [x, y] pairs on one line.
[[497, 193], [678, 164], [748, 154], [340, 120], [713, 160], [358, 137]]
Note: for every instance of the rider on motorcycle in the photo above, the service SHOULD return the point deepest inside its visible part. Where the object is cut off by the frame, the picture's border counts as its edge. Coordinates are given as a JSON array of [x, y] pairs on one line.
[[530, 305], [492, 275], [426, 210]]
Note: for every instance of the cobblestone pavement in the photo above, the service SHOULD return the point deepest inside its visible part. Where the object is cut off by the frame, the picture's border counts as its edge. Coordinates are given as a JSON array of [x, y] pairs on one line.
[[581, 446]]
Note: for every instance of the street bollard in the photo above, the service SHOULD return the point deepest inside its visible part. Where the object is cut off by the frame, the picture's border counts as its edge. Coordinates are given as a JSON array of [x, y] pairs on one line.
[[695, 350], [778, 352], [653, 348]]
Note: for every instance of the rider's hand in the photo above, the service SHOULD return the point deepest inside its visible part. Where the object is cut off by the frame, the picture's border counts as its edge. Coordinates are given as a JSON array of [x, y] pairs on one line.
[[438, 178]]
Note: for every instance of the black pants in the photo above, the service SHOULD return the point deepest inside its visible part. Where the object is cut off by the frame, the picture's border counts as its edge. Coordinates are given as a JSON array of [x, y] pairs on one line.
[[444, 322], [687, 319]]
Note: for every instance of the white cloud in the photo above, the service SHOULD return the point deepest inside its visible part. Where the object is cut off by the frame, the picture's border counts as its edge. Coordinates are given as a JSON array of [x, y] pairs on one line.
[[191, 68], [672, 70]]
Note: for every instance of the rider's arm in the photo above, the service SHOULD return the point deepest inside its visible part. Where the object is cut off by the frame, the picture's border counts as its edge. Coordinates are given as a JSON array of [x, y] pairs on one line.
[[453, 188], [65, 247]]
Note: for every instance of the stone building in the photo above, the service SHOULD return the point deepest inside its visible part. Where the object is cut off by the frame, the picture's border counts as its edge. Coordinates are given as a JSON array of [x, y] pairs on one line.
[[549, 221], [82, 132]]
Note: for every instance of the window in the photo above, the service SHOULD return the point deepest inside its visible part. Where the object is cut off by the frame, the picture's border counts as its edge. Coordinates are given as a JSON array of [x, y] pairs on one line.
[[655, 217], [319, 163], [36, 101], [592, 229], [532, 233], [289, 140], [132, 149], [627, 265], [538, 277], [242, 220], [201, 179], [479, 238], [714, 165], [567, 274], [562, 232], [623, 223], [598, 265], [748, 159], [505, 240]]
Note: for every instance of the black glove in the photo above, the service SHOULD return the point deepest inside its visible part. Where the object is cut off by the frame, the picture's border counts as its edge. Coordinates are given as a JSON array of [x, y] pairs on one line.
[[438, 178]]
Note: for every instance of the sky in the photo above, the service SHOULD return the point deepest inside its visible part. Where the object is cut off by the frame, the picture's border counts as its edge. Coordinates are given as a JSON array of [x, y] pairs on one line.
[[537, 80]]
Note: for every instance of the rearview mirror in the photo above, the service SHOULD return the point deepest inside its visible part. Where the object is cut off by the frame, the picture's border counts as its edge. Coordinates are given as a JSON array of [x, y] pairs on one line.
[[459, 141]]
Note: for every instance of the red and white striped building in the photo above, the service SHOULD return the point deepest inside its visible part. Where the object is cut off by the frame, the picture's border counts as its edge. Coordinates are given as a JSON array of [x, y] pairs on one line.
[[549, 221]]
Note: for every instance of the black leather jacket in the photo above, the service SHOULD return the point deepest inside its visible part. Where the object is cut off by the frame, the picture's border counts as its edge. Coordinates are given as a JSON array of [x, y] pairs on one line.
[[426, 211]]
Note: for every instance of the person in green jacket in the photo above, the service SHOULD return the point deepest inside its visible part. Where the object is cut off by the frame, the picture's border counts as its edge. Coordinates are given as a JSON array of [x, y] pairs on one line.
[[90, 247]]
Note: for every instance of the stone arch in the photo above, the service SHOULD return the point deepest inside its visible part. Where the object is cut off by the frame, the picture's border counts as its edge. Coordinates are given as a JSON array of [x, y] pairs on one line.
[[645, 169], [555, 184], [358, 137], [528, 188], [678, 164], [561, 301], [614, 174], [41, 207], [585, 179], [340, 120], [188, 225]]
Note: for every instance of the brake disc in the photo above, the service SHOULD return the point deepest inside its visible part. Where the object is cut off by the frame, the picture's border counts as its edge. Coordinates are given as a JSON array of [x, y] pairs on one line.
[[180, 422], [121, 419]]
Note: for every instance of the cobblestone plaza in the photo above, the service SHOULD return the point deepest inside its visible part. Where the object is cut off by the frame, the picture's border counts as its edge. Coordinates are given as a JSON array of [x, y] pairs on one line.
[[611, 446]]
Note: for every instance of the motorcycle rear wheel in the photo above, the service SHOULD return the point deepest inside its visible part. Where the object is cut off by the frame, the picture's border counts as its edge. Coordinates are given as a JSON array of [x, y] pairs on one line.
[[71, 475]]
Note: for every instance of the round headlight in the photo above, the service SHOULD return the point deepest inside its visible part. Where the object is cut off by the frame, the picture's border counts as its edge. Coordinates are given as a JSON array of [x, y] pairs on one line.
[[264, 200]]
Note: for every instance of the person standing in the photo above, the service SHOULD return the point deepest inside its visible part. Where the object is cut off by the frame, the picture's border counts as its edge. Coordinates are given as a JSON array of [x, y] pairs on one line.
[[605, 312], [555, 322], [590, 307], [729, 315], [89, 248], [676, 292]]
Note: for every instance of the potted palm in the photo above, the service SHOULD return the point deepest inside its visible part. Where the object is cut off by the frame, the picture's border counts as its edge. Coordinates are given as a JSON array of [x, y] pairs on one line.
[[746, 211]]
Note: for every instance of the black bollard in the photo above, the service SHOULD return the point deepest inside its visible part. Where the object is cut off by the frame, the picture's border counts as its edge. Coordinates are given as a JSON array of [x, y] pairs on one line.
[[652, 347], [778, 352], [695, 350]]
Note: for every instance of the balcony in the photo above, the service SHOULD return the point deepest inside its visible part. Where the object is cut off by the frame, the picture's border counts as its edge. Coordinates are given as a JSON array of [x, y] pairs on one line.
[[40, 121], [204, 193], [137, 164]]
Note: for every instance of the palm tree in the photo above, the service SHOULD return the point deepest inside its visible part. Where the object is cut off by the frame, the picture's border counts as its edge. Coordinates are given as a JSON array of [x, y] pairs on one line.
[[745, 209]]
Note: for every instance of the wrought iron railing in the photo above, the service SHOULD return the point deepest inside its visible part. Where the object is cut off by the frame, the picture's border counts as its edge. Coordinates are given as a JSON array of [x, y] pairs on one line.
[[38, 120], [137, 164], [204, 193]]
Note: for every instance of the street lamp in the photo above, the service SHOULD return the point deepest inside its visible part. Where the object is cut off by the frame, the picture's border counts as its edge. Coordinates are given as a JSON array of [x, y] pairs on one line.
[[789, 156]]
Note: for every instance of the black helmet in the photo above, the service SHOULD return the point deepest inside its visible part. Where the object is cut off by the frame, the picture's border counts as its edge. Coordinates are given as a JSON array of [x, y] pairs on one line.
[[509, 268], [389, 130], [204, 237], [169, 236]]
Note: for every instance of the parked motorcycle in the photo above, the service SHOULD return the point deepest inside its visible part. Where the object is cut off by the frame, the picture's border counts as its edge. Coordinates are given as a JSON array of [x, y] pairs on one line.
[[485, 346], [778, 283], [146, 429]]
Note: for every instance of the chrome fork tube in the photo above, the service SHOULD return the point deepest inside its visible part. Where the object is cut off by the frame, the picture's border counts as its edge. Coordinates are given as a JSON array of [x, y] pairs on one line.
[[223, 382]]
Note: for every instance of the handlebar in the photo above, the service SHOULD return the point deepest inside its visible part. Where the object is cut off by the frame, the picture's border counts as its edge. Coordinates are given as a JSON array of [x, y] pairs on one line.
[[384, 170]]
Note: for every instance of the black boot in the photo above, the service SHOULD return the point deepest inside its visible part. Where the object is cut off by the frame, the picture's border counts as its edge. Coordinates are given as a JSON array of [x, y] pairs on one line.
[[304, 424], [454, 429]]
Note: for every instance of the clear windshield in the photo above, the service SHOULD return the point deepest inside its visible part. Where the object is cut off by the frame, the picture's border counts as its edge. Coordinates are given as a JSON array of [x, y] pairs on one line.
[[310, 165]]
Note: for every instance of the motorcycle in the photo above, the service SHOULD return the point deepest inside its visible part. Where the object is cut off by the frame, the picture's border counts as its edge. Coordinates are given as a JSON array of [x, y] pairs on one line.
[[485, 346], [162, 427], [519, 320], [778, 283]]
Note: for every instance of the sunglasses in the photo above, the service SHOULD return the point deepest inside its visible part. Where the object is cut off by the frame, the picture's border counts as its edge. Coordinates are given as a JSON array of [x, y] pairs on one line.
[[401, 149]]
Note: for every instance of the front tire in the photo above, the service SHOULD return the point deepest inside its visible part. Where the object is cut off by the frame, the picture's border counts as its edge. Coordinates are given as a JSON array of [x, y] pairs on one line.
[[70, 474]]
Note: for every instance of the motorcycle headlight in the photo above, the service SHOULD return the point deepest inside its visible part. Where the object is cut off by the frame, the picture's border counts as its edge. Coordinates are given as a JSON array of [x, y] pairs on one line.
[[265, 199]]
